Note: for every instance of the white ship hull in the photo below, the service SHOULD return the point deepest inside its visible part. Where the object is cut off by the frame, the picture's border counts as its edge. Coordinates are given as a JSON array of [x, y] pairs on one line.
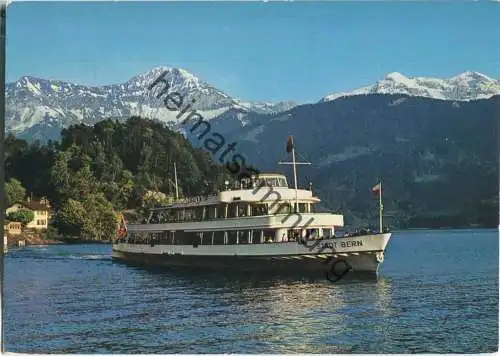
[[357, 254]]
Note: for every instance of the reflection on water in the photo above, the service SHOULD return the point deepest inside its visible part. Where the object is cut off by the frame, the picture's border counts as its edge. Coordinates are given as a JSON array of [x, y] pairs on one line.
[[76, 299]]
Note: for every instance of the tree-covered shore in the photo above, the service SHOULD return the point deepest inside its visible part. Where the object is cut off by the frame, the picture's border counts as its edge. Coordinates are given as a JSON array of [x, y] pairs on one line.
[[95, 173]]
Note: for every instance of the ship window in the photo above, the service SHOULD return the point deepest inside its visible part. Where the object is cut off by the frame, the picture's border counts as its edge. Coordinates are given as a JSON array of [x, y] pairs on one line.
[[221, 211], [257, 237], [231, 237], [219, 238], [198, 213], [198, 238], [294, 234], [153, 238], [205, 238], [241, 209], [302, 208], [182, 238], [312, 234], [283, 208], [244, 237], [268, 235], [189, 214], [259, 209], [139, 238], [210, 213], [231, 210], [191, 238], [271, 182], [164, 238]]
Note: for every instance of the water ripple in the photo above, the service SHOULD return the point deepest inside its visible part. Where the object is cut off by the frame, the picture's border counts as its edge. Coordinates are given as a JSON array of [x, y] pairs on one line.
[[75, 299]]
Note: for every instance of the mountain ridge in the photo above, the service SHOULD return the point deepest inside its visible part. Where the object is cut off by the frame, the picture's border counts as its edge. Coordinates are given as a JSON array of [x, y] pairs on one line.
[[437, 158], [46, 105], [39, 108], [429, 147], [465, 86]]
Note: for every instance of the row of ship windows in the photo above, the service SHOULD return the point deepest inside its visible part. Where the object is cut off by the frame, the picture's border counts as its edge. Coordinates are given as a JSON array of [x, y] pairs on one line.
[[223, 211], [219, 237]]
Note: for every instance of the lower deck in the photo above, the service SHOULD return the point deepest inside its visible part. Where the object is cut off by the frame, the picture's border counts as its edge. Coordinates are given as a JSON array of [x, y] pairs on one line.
[[302, 264], [367, 243]]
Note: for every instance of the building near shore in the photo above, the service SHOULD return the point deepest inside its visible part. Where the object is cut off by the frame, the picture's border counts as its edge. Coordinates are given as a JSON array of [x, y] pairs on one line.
[[41, 212], [13, 228]]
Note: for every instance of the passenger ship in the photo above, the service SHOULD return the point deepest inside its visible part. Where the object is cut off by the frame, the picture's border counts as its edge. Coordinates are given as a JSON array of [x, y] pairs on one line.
[[254, 224]]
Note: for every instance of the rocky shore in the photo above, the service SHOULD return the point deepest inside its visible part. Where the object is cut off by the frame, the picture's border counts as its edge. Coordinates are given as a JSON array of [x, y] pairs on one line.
[[30, 239]]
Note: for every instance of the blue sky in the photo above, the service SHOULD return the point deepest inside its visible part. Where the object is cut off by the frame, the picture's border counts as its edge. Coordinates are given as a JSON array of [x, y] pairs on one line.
[[255, 51]]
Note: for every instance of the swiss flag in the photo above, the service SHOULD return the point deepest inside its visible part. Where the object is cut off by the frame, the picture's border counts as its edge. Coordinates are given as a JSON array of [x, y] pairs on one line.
[[377, 189]]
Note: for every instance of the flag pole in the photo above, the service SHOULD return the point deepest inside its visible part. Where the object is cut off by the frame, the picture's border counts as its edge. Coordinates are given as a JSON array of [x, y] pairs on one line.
[[295, 176], [381, 207]]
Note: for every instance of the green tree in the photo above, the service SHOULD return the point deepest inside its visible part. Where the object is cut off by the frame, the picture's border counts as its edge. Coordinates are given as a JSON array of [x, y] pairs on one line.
[[14, 192], [70, 219], [96, 171], [23, 216], [101, 221]]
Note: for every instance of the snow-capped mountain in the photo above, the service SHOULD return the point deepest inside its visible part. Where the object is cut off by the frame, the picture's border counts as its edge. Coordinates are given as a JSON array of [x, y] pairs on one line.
[[463, 87], [35, 104], [39, 108]]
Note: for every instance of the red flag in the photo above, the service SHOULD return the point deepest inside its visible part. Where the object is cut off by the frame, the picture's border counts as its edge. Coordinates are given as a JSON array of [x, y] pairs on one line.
[[377, 189], [289, 144]]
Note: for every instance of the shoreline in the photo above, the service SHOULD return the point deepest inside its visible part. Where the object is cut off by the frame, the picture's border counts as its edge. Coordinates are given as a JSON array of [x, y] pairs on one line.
[[38, 240]]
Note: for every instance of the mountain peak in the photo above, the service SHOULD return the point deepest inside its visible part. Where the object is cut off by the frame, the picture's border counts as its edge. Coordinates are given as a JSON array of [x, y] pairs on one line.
[[395, 76], [465, 86], [33, 102], [474, 76]]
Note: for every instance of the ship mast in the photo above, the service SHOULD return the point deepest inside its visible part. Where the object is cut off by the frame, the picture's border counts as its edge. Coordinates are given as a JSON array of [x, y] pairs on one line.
[[295, 176], [290, 148], [381, 207]]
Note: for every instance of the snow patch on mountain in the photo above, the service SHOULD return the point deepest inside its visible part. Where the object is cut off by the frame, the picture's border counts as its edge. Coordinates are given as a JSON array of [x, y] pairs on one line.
[[30, 100], [463, 87], [349, 153]]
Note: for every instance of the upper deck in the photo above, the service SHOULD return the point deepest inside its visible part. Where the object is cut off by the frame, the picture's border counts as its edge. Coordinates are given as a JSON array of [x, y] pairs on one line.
[[263, 188], [263, 195]]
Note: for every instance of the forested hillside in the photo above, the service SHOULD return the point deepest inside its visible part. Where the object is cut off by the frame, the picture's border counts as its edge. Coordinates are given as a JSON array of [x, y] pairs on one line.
[[96, 172], [438, 159]]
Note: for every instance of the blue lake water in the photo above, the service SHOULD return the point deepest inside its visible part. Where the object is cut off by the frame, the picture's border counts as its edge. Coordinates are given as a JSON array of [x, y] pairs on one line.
[[438, 292]]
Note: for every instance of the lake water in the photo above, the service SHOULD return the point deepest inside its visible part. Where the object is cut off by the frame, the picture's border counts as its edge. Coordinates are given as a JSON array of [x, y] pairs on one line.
[[438, 292]]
